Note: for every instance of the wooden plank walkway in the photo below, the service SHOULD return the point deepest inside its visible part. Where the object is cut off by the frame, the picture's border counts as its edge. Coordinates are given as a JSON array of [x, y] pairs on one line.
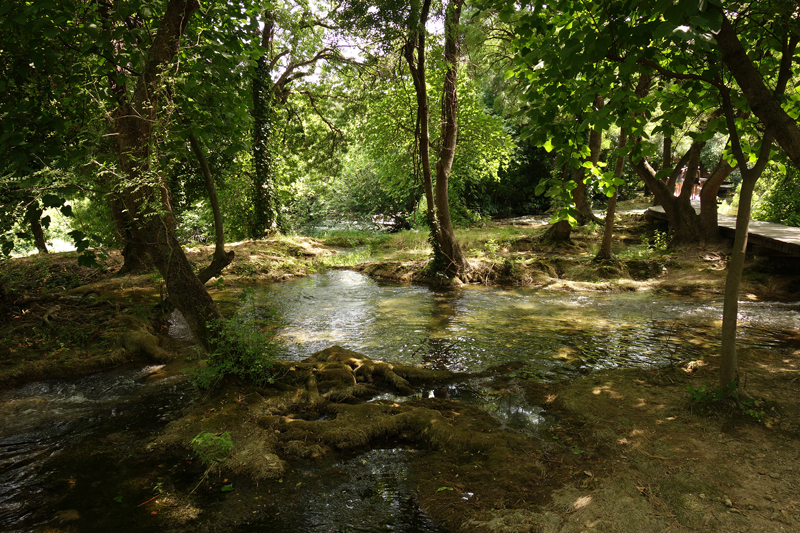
[[765, 238]]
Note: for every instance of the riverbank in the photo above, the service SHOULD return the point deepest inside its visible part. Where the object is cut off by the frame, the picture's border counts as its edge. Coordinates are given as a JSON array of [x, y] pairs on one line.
[[616, 450]]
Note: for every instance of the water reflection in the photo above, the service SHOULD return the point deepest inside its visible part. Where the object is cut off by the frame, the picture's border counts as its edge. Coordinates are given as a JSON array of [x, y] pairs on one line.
[[472, 328], [367, 493], [41, 421]]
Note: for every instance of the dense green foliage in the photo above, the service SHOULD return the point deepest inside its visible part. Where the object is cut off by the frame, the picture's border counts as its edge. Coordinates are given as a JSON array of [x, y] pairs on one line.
[[780, 202], [341, 132], [243, 347]]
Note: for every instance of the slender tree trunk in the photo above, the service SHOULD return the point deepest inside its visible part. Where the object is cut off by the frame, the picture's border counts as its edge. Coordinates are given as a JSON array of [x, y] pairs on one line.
[[778, 128], [456, 262], [414, 54], [221, 259], [265, 200], [34, 216], [608, 232], [728, 371], [146, 198]]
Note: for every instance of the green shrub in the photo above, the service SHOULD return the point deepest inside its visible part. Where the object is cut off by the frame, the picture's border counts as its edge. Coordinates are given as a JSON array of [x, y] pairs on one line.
[[780, 203], [244, 347], [211, 448]]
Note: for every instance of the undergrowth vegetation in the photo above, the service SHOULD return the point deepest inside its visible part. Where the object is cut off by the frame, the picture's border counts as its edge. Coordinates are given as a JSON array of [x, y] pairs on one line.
[[244, 346]]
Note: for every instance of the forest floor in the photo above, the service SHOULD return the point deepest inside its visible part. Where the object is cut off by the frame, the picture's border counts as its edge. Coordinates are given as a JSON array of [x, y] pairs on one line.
[[624, 450]]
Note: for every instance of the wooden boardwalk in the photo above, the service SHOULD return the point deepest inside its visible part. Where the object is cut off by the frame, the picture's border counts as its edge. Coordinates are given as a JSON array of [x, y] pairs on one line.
[[765, 238]]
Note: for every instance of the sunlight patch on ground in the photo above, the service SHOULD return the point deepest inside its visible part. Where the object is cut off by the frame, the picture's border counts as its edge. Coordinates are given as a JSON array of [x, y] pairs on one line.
[[582, 502]]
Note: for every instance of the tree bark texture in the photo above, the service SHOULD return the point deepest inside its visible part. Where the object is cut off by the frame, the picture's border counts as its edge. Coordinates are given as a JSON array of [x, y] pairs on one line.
[[608, 231], [134, 254], [456, 262], [221, 259], [145, 195]]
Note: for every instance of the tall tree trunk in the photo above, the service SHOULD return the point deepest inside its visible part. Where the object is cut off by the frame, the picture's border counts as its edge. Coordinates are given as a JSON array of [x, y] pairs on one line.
[[265, 200], [34, 216], [728, 372], [681, 215], [709, 224], [456, 262], [221, 259], [780, 126], [414, 54], [145, 196], [608, 232]]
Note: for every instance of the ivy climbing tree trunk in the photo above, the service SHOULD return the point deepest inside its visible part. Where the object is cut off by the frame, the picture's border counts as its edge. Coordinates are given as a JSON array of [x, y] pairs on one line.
[[286, 67], [144, 193], [265, 201]]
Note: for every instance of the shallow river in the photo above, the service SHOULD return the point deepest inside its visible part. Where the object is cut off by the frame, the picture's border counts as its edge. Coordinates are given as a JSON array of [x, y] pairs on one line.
[[56, 437], [474, 327]]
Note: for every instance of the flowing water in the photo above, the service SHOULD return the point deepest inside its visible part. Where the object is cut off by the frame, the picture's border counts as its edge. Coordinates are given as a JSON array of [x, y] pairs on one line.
[[56, 437], [472, 328]]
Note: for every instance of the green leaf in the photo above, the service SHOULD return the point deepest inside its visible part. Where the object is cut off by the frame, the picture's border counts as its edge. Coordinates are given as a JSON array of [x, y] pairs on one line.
[[227, 488], [52, 200], [88, 259], [440, 489]]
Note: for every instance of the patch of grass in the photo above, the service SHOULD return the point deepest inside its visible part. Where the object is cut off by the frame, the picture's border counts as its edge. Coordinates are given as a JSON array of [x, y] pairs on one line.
[[352, 238], [475, 239], [340, 260], [750, 407]]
